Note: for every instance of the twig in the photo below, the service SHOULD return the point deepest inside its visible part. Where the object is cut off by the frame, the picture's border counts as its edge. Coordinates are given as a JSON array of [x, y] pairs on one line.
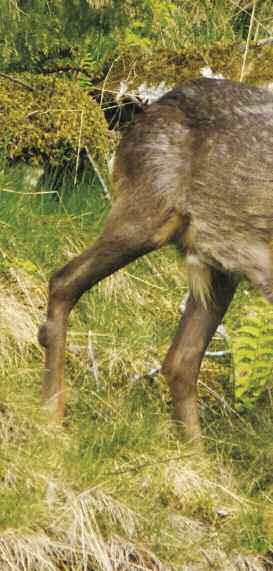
[[22, 83], [78, 151], [36, 193], [207, 558], [103, 183], [248, 40], [147, 464], [144, 281], [50, 110], [217, 354], [106, 78], [227, 492]]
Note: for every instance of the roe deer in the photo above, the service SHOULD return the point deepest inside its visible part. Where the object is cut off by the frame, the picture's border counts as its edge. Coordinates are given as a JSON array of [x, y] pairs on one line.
[[196, 170]]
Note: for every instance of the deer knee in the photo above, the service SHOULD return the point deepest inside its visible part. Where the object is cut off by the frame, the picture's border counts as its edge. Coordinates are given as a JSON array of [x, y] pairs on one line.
[[46, 333], [43, 335], [61, 293], [52, 330]]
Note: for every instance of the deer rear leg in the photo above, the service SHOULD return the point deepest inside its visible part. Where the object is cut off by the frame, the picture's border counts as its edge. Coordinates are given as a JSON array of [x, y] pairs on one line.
[[182, 364], [126, 236]]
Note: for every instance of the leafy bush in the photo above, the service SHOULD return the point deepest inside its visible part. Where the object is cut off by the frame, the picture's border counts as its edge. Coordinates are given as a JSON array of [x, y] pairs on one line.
[[46, 120]]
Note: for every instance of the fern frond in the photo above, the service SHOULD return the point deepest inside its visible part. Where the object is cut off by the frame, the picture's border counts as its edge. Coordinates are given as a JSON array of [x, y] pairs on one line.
[[253, 352]]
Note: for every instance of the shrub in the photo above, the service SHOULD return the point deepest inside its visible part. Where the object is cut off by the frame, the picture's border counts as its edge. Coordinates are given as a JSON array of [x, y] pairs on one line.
[[49, 120]]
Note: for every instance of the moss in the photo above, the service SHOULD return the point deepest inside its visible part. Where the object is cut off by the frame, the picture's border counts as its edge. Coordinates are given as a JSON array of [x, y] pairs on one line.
[[140, 65], [260, 70], [49, 123]]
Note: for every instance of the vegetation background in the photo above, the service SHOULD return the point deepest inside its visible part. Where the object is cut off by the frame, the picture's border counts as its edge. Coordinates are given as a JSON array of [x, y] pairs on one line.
[[116, 488]]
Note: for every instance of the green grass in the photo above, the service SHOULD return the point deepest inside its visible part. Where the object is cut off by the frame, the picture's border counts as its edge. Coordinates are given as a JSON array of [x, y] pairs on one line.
[[117, 480]]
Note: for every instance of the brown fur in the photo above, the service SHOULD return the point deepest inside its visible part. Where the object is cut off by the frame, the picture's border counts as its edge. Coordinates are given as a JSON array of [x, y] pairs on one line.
[[196, 170]]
